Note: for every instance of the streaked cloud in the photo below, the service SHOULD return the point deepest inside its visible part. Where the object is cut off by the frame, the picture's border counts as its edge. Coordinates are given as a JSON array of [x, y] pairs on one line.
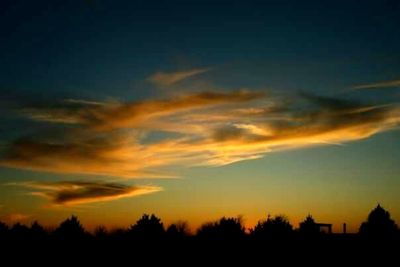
[[330, 121], [80, 153], [378, 85], [209, 128], [169, 78], [108, 116], [80, 192]]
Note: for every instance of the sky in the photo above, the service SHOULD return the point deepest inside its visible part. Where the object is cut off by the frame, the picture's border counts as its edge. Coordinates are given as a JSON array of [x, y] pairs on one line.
[[194, 110]]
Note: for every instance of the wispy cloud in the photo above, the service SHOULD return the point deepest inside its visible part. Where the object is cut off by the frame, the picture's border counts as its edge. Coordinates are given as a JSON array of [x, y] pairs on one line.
[[169, 78], [109, 116], [209, 128], [378, 85], [80, 192]]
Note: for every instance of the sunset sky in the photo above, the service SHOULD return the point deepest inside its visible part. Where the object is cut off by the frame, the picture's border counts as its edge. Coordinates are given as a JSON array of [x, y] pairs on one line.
[[194, 110]]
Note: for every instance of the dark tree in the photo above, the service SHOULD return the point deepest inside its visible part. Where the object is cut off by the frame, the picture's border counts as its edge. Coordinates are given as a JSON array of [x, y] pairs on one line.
[[71, 228], [178, 231], [231, 227], [3, 229], [37, 231], [119, 235], [309, 227], [148, 227], [224, 229], [19, 231], [275, 228], [379, 224], [100, 232]]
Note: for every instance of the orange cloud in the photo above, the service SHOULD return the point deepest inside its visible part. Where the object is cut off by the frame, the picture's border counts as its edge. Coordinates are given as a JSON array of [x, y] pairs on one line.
[[112, 155], [117, 139], [79, 192], [169, 78], [109, 116]]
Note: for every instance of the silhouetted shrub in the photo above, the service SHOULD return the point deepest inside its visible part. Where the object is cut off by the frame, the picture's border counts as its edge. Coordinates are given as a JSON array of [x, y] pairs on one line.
[[178, 231], [147, 228], [224, 229], [3, 229], [19, 231], [101, 232], [70, 229], [378, 225], [309, 228], [277, 228], [118, 235], [37, 232]]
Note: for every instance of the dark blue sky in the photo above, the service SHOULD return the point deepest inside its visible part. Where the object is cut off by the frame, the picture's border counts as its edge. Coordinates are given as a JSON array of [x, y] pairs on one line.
[[109, 46]]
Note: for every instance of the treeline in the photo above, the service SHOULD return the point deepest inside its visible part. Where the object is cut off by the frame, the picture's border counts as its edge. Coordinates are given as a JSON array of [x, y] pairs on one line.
[[150, 228], [225, 240]]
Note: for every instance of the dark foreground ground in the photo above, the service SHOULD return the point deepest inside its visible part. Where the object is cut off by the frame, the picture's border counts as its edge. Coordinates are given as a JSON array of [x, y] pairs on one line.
[[323, 250]]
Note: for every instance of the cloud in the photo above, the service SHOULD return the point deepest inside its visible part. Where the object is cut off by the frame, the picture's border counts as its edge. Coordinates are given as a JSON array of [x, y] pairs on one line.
[[169, 78], [80, 192], [82, 153], [316, 121], [323, 120], [108, 116], [68, 111], [378, 85], [141, 139]]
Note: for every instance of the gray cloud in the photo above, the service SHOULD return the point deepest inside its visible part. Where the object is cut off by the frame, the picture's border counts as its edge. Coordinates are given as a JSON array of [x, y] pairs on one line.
[[169, 78], [79, 192], [378, 85]]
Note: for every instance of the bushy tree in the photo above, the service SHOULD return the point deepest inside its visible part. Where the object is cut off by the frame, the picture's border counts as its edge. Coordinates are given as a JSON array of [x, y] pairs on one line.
[[3, 229], [278, 227], [178, 230], [224, 229], [19, 231], [148, 227], [309, 227], [37, 231], [379, 224], [101, 232], [71, 228]]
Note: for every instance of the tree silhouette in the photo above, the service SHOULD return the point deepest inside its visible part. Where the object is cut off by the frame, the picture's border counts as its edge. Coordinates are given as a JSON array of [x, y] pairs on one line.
[[379, 224], [118, 234], [177, 231], [148, 227], [278, 227], [3, 229], [309, 227], [71, 228], [231, 227], [37, 231], [224, 238], [224, 229], [19, 231], [100, 232]]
